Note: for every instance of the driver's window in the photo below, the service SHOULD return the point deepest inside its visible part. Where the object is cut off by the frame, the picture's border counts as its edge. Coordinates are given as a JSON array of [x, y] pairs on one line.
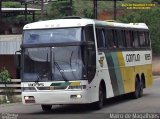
[[91, 53]]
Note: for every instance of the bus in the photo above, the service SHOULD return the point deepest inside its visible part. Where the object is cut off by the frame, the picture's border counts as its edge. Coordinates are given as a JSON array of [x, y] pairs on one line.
[[84, 61]]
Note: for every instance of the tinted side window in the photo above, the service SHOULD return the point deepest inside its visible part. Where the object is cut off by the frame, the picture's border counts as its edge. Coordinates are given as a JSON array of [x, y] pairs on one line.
[[136, 39], [115, 40], [109, 37], [120, 38], [90, 54], [147, 39], [89, 34], [142, 39], [100, 38], [129, 39]]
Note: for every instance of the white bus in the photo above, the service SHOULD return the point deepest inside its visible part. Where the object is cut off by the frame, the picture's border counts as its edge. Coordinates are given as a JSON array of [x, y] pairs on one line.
[[82, 61]]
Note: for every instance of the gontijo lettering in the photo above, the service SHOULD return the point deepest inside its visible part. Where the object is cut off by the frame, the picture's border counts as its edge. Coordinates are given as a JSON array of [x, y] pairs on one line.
[[132, 57]]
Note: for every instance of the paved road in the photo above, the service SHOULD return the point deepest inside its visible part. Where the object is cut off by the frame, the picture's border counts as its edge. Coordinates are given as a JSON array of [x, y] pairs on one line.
[[149, 103]]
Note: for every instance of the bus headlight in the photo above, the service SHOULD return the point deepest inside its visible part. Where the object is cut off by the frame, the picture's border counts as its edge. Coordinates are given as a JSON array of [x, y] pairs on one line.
[[29, 99], [79, 87], [26, 97]]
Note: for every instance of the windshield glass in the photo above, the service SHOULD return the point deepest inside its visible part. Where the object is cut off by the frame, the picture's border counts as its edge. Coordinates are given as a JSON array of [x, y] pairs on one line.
[[54, 64], [52, 35]]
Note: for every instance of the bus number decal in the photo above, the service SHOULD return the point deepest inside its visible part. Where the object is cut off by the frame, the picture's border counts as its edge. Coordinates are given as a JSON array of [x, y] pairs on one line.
[[147, 57]]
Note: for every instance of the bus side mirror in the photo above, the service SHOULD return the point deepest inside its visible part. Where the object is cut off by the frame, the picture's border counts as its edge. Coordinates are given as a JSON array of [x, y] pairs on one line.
[[17, 59]]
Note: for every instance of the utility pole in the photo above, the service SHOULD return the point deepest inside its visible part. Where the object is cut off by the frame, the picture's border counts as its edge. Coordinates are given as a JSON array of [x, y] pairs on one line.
[[25, 12], [42, 8], [95, 8], [0, 10], [70, 8], [115, 9]]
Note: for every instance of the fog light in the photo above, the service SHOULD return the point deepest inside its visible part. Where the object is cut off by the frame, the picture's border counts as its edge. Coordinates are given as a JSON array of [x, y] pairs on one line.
[[26, 97], [76, 96], [79, 96]]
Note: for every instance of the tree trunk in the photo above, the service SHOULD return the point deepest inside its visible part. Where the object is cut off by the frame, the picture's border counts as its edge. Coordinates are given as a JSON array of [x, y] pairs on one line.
[[6, 95]]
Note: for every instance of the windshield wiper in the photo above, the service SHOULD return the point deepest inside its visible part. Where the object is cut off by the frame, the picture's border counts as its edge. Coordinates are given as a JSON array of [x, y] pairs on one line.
[[59, 69], [71, 65]]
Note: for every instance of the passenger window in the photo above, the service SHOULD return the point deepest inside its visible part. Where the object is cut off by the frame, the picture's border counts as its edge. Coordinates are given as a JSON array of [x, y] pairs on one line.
[[129, 39], [147, 39], [111, 37], [114, 40], [100, 38], [136, 39], [142, 39], [120, 39]]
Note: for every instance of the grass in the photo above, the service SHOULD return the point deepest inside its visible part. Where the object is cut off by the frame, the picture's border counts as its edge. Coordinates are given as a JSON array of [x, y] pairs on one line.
[[12, 99], [2, 100]]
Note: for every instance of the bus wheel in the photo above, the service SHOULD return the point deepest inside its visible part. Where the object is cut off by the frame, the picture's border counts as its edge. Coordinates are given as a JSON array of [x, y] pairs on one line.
[[100, 103], [46, 107], [136, 93], [141, 89]]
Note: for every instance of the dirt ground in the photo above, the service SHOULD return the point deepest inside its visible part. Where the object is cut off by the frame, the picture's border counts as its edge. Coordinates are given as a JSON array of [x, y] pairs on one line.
[[156, 65]]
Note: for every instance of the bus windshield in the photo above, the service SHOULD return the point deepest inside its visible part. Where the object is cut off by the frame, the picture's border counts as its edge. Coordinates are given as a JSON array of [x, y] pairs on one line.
[[53, 64], [52, 35]]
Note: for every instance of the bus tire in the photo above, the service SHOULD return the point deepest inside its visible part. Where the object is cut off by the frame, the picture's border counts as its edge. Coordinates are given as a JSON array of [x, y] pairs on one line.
[[46, 107], [99, 104], [141, 89], [136, 93]]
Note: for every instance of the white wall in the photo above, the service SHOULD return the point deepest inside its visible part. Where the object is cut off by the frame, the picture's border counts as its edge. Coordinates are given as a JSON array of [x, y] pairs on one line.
[[10, 43]]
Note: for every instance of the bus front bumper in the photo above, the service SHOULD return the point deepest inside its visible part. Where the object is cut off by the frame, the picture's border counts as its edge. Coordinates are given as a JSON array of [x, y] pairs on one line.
[[56, 97]]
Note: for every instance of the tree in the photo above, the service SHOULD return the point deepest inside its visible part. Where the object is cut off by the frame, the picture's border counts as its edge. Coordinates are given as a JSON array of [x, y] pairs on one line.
[[59, 9], [152, 19], [88, 13], [5, 78], [158, 1]]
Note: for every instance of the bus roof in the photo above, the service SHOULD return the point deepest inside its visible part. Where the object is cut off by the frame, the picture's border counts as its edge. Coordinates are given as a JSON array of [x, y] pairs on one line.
[[62, 23]]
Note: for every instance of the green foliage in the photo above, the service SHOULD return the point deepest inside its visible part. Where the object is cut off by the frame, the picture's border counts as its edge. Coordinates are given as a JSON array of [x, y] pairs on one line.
[[158, 1], [88, 13], [152, 19], [5, 78], [11, 4], [53, 11], [59, 9], [4, 75], [17, 19], [2, 100], [137, 1]]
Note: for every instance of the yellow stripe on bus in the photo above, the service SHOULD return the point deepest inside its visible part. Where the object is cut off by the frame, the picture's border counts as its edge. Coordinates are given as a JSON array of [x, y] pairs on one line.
[[74, 83]]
